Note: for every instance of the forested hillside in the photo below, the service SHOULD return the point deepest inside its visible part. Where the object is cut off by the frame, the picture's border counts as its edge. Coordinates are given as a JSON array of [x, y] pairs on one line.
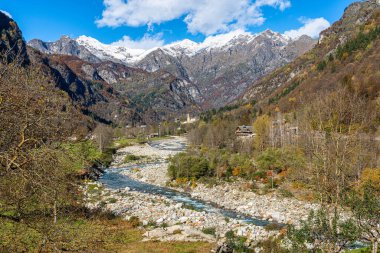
[[315, 131], [347, 54]]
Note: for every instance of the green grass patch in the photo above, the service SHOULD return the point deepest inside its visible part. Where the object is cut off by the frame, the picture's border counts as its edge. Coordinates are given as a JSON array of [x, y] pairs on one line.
[[362, 250], [98, 234], [124, 142]]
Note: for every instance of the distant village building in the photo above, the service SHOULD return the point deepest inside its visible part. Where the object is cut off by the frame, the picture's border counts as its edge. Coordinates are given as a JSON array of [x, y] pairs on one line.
[[244, 131], [190, 120]]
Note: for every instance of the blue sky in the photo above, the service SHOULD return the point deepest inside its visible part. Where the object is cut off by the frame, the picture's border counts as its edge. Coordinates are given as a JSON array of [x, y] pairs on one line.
[[164, 21]]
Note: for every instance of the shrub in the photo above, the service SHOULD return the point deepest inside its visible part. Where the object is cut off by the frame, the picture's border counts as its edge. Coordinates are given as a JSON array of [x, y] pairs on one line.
[[285, 193], [152, 223], [209, 231], [177, 231], [273, 226], [131, 158], [134, 221], [322, 65], [269, 159], [237, 243], [112, 200], [280, 159], [188, 166]]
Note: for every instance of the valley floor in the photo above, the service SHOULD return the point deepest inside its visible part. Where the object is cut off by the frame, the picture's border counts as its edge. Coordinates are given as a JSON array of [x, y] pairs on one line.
[[165, 219]]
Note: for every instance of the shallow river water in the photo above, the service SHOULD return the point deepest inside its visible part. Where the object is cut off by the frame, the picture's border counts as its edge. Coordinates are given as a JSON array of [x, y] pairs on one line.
[[114, 179]]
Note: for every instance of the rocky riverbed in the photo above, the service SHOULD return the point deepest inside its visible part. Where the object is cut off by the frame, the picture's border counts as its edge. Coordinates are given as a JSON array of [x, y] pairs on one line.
[[232, 195], [167, 219]]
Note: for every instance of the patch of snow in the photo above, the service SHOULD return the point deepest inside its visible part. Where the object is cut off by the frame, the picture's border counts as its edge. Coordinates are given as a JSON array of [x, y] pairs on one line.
[[176, 49]]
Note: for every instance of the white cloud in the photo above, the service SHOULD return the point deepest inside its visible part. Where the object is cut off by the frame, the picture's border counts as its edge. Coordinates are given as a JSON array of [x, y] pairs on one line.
[[201, 16], [146, 42], [6, 13], [311, 27]]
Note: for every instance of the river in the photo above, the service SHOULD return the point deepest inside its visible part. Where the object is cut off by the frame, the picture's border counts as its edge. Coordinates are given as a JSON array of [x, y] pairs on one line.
[[115, 179]]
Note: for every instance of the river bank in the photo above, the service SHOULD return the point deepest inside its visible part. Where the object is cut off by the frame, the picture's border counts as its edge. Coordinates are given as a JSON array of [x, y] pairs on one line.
[[233, 195], [167, 219]]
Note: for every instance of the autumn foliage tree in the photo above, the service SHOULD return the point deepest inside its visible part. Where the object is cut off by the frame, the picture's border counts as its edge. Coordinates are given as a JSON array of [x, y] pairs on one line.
[[34, 174], [337, 142], [261, 129]]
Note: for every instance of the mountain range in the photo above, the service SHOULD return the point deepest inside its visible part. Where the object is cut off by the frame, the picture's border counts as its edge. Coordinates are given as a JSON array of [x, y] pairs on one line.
[[122, 86], [216, 71]]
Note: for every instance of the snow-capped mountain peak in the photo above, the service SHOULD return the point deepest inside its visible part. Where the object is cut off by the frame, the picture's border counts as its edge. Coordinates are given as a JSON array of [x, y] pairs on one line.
[[108, 52], [130, 56]]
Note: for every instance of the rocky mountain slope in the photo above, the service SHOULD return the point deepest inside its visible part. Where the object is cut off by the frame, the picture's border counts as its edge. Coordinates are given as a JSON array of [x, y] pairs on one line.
[[221, 67], [108, 92], [346, 54], [12, 45]]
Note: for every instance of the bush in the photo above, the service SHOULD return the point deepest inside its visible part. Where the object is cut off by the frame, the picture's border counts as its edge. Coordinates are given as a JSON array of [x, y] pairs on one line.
[[134, 221], [209, 231], [152, 223], [188, 166], [237, 243], [281, 159], [321, 66], [271, 245], [269, 159], [131, 158], [273, 226], [285, 193], [112, 200]]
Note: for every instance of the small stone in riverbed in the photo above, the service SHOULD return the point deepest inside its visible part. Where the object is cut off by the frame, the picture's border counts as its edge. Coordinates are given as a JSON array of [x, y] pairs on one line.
[[183, 219]]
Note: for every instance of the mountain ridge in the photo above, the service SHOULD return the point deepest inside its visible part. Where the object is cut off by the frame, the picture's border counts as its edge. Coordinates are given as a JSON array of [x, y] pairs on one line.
[[221, 67], [185, 46], [323, 67], [107, 92]]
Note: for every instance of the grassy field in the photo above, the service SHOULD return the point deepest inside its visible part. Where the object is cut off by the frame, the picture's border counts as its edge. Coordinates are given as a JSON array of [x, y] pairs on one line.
[[87, 235]]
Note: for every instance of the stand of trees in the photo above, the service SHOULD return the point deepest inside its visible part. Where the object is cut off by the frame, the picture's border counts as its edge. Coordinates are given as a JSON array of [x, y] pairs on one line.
[[38, 178], [333, 155]]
